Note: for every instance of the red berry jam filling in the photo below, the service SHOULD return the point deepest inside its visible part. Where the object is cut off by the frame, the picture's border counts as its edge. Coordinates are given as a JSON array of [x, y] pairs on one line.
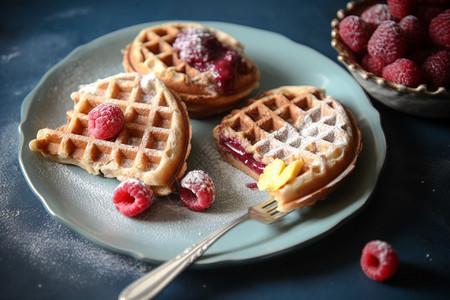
[[202, 50], [252, 186], [235, 148]]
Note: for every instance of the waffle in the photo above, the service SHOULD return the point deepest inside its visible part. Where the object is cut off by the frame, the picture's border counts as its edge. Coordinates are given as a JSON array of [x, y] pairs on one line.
[[152, 146], [152, 51], [292, 123]]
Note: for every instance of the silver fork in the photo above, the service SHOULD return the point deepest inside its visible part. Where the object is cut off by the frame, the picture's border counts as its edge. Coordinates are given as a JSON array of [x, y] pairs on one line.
[[155, 281]]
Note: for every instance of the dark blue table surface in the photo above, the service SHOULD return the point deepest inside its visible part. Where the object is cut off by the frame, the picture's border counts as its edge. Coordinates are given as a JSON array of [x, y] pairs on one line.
[[41, 259]]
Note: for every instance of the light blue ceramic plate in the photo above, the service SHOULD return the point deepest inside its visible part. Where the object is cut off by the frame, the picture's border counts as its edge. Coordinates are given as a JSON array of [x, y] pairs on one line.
[[83, 202]]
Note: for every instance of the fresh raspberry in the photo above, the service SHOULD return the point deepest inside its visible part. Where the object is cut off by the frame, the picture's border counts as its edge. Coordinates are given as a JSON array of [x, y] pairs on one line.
[[403, 71], [355, 33], [197, 190], [373, 64], [436, 70], [387, 42], [132, 197], [426, 13], [400, 8], [376, 14], [439, 29], [379, 260], [105, 121], [414, 32]]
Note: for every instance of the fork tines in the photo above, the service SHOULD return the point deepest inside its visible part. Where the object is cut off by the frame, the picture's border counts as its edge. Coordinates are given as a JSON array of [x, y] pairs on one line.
[[266, 212]]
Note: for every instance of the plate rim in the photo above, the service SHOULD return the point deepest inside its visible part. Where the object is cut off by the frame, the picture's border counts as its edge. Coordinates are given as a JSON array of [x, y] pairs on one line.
[[24, 117]]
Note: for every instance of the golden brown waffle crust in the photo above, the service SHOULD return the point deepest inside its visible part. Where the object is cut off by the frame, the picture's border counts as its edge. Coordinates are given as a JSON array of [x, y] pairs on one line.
[[323, 133], [152, 52], [152, 146]]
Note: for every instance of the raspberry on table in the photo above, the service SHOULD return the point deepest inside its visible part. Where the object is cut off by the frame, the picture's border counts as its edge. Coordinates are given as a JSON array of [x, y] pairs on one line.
[[197, 190], [414, 32], [403, 71], [105, 121], [378, 260], [373, 64], [439, 29], [400, 8], [132, 197], [376, 14], [436, 70], [355, 33], [387, 42]]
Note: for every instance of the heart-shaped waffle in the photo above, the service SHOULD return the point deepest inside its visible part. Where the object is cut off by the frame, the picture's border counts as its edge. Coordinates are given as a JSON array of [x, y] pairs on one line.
[[152, 51], [152, 146], [293, 123]]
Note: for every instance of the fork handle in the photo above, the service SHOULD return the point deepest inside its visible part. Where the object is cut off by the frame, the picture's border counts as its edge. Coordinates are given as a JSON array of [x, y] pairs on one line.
[[156, 280]]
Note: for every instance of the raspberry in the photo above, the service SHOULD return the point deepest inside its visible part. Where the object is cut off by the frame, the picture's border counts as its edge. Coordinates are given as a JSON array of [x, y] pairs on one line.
[[403, 71], [105, 121], [355, 33], [439, 29], [436, 70], [414, 32], [376, 14], [373, 64], [387, 42], [197, 190], [379, 260], [132, 197], [401, 8]]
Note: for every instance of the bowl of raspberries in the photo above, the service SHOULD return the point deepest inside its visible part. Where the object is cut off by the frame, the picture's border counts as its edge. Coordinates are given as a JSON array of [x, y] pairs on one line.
[[399, 52]]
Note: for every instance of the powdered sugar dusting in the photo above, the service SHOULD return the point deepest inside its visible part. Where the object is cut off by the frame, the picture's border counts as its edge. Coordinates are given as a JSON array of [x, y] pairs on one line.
[[198, 180], [49, 248]]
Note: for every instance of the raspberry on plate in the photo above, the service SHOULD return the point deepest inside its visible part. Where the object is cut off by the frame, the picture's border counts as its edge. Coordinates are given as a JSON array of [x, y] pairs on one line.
[[105, 121], [403, 71], [387, 42], [197, 190], [355, 33], [376, 14], [436, 70], [379, 260], [401, 8], [132, 197], [439, 29]]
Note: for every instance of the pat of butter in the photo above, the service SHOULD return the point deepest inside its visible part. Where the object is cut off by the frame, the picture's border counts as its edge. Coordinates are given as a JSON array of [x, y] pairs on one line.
[[277, 174]]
